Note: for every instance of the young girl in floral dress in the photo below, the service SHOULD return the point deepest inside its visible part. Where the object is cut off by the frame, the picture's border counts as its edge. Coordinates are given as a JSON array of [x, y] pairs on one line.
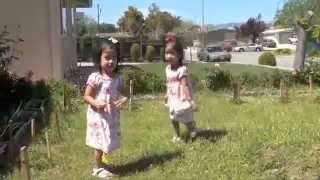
[[103, 94], [179, 92]]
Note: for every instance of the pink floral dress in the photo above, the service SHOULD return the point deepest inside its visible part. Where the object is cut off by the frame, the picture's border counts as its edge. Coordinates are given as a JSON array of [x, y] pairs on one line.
[[103, 126], [176, 95]]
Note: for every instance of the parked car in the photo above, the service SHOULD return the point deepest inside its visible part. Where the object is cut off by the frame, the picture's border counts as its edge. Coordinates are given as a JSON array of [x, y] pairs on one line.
[[293, 40], [269, 43], [214, 54], [227, 47], [249, 47]]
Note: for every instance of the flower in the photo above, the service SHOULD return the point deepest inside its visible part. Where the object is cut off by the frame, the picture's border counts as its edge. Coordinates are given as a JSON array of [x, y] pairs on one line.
[[294, 73], [217, 65], [169, 38]]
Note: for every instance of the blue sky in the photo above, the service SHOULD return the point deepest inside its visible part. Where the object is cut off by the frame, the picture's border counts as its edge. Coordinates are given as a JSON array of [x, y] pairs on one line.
[[216, 11]]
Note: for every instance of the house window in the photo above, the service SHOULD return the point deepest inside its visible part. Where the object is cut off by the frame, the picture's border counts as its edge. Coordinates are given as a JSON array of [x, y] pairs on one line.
[[63, 14]]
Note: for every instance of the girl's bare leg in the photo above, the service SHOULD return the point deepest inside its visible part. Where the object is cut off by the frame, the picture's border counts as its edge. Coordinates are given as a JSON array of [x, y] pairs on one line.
[[98, 158], [176, 128]]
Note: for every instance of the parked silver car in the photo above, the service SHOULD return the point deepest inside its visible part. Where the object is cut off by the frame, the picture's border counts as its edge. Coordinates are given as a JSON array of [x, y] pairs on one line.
[[213, 54], [249, 47]]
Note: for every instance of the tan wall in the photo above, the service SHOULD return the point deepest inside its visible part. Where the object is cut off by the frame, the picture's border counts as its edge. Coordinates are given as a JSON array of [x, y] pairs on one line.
[[45, 51]]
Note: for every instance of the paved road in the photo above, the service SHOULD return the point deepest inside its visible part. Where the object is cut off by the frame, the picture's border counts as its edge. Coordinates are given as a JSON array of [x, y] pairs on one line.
[[250, 58], [237, 57]]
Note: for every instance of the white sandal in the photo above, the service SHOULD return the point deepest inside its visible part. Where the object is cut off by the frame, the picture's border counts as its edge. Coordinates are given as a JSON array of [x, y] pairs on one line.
[[102, 173]]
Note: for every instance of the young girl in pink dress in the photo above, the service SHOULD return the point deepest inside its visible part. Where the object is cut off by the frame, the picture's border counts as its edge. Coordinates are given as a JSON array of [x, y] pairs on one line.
[[179, 91], [103, 94]]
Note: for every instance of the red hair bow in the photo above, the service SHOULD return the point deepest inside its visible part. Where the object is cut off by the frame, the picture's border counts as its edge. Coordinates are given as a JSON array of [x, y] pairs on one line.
[[169, 38]]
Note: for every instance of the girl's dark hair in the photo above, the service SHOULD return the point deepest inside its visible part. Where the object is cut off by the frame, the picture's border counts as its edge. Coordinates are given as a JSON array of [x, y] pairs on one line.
[[108, 47], [177, 46]]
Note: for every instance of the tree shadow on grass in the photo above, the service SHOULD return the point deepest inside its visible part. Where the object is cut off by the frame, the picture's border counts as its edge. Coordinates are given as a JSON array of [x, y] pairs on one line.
[[145, 163], [208, 135]]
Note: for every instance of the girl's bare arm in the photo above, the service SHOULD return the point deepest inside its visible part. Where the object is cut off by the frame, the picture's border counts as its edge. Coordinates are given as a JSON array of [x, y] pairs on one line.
[[88, 96]]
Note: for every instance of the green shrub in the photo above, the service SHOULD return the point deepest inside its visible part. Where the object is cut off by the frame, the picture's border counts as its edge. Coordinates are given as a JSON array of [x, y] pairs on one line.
[[162, 54], [150, 53], [267, 58], [218, 78], [283, 52], [134, 52], [195, 83], [313, 54], [143, 82]]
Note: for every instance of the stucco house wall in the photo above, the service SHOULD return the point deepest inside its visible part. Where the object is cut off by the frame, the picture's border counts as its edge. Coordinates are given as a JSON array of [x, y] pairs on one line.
[[47, 28]]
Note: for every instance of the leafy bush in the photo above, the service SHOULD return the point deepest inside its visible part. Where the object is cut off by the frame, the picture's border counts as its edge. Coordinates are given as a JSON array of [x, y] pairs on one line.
[[8, 49], [134, 52], [283, 52], [218, 78], [143, 82], [150, 53], [162, 55], [314, 54], [267, 58]]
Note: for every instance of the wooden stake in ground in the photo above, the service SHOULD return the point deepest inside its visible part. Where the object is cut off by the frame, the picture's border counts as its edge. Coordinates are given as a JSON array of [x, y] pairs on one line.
[[68, 99], [131, 92], [281, 88], [11, 141], [310, 84], [25, 166], [286, 94], [56, 115], [48, 145], [33, 130], [64, 98], [43, 115], [236, 91]]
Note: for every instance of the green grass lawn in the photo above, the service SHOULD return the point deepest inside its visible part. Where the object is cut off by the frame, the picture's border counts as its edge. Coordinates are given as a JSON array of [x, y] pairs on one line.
[[264, 139], [198, 69]]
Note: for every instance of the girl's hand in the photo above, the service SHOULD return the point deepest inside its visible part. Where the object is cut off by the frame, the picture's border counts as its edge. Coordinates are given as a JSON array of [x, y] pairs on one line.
[[100, 104], [119, 103], [193, 106], [165, 100]]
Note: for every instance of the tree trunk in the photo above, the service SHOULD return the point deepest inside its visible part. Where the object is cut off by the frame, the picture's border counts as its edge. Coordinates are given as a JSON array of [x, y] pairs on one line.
[[301, 48]]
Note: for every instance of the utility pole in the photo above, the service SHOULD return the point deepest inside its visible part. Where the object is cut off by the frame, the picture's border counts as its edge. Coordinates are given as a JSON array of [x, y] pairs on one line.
[[202, 32], [98, 18]]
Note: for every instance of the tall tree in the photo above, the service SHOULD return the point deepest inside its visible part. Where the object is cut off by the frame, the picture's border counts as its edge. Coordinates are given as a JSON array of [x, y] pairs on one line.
[[252, 28], [86, 26], [303, 16], [107, 28], [159, 21], [131, 21]]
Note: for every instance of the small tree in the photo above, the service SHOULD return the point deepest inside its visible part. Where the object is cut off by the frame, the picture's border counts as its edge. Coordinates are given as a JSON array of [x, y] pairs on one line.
[[8, 50], [150, 53], [134, 52], [252, 28]]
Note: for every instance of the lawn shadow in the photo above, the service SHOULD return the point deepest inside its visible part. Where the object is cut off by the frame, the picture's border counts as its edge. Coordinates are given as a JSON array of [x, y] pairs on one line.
[[208, 135], [145, 163]]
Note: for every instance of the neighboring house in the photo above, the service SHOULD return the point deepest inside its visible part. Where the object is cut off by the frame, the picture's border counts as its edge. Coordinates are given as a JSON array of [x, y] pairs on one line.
[[280, 36], [47, 28], [218, 36]]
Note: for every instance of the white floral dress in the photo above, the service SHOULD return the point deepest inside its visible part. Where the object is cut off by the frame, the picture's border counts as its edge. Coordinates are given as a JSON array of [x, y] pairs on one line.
[[176, 95], [103, 126]]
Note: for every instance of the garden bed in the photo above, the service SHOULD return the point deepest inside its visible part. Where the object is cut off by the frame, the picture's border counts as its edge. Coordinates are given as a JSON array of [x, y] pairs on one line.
[[21, 128]]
